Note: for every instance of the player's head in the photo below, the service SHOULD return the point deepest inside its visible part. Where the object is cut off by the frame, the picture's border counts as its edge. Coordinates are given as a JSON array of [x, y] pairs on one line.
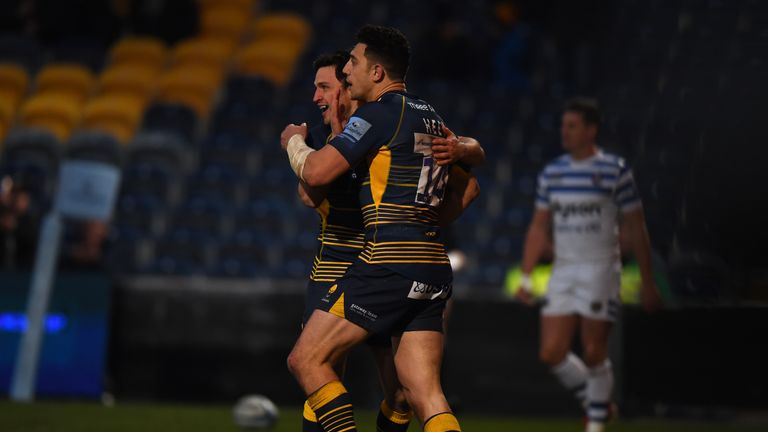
[[381, 56], [329, 78], [581, 121]]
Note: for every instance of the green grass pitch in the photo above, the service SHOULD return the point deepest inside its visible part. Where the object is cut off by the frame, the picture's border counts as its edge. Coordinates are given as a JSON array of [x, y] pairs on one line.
[[134, 417]]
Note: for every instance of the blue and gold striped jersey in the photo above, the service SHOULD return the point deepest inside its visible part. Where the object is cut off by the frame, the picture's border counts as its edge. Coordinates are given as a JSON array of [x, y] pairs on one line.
[[403, 186], [341, 222]]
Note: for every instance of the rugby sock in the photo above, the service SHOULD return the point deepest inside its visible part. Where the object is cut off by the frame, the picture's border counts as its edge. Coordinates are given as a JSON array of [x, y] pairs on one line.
[[443, 422], [390, 420], [333, 408], [599, 388], [310, 423], [573, 374]]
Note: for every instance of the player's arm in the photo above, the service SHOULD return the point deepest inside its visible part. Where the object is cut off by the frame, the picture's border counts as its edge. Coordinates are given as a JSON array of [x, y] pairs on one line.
[[314, 167], [453, 149], [462, 189], [537, 243], [312, 197], [633, 226]]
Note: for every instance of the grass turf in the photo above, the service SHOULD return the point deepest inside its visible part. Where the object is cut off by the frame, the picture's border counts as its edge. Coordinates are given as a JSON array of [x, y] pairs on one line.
[[92, 417]]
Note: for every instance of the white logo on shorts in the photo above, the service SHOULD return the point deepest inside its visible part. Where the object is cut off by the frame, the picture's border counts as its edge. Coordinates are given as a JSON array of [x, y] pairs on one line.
[[422, 291]]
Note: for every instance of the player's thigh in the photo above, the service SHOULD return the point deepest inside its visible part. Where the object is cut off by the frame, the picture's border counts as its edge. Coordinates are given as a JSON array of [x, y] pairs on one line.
[[327, 338], [594, 339], [385, 363], [557, 332], [418, 357]]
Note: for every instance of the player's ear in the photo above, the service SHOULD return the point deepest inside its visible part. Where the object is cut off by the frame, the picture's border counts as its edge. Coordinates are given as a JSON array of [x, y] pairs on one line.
[[378, 73]]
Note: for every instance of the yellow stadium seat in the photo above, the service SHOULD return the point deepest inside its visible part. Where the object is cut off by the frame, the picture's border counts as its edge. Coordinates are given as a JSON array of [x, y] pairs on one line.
[[65, 78], [192, 85], [13, 79], [245, 6], [224, 21], [116, 114], [274, 60], [9, 102], [56, 112], [139, 50], [127, 78], [205, 51], [285, 26]]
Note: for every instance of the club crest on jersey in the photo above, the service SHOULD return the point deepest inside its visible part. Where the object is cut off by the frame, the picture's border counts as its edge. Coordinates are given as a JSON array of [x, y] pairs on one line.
[[332, 289]]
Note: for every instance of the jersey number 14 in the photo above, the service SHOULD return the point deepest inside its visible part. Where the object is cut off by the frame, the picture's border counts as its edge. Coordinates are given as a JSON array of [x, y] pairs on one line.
[[433, 178]]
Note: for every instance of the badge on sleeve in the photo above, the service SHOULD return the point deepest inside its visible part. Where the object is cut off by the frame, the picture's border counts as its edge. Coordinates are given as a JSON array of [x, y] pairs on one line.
[[356, 128]]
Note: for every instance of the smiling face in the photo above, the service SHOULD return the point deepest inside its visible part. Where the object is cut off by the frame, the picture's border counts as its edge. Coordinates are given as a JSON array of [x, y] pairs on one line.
[[326, 86], [360, 75]]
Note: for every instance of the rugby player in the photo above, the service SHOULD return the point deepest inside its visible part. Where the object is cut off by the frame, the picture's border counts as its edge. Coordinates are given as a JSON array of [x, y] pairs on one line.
[[400, 282], [581, 198]]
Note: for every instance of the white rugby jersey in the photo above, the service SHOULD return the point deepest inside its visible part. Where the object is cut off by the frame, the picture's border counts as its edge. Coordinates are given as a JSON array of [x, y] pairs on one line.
[[585, 198]]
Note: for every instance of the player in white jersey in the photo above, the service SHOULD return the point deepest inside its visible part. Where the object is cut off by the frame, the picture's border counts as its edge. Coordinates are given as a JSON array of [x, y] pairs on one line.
[[583, 198]]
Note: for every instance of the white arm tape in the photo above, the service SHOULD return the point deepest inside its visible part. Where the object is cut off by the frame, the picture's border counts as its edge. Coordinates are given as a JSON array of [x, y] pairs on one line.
[[298, 150], [525, 282]]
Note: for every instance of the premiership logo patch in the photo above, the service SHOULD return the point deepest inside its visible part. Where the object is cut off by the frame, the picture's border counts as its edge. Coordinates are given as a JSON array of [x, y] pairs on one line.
[[422, 291], [356, 128]]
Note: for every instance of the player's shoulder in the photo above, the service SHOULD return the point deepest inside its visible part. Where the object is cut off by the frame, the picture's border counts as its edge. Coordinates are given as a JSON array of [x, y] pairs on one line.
[[556, 164], [611, 160]]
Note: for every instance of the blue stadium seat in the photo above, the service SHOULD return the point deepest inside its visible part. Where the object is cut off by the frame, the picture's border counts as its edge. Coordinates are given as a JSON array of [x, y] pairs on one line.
[[170, 117], [95, 146]]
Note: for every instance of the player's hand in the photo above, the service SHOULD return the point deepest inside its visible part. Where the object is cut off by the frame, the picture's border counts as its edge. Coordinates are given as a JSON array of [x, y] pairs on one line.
[[339, 113], [448, 150], [291, 130], [650, 297], [525, 297]]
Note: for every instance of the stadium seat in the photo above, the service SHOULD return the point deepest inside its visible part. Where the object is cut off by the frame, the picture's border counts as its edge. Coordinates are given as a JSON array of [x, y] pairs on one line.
[[284, 26], [207, 52], [174, 256], [171, 117], [33, 156], [14, 80], [238, 257], [56, 112], [134, 79], [95, 146], [244, 6], [148, 185], [273, 59], [194, 87], [116, 114], [164, 149], [218, 182], [138, 50], [224, 21], [63, 78]]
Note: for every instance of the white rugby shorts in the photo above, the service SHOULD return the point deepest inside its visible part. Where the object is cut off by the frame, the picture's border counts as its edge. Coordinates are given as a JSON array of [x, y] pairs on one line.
[[588, 289]]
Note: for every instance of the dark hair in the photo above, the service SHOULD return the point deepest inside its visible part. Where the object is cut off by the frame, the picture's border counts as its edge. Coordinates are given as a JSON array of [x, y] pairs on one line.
[[587, 107], [337, 59], [388, 47]]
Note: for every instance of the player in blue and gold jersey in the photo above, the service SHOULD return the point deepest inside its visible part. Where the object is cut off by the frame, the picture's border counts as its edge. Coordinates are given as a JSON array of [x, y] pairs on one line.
[[340, 242], [402, 279]]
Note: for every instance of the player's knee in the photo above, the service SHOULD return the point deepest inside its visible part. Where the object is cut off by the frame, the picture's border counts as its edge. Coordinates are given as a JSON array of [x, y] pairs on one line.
[[552, 356], [594, 355]]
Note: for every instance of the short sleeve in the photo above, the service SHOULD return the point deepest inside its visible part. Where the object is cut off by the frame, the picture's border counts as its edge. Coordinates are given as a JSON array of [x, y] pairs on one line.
[[626, 195], [367, 130], [542, 192]]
